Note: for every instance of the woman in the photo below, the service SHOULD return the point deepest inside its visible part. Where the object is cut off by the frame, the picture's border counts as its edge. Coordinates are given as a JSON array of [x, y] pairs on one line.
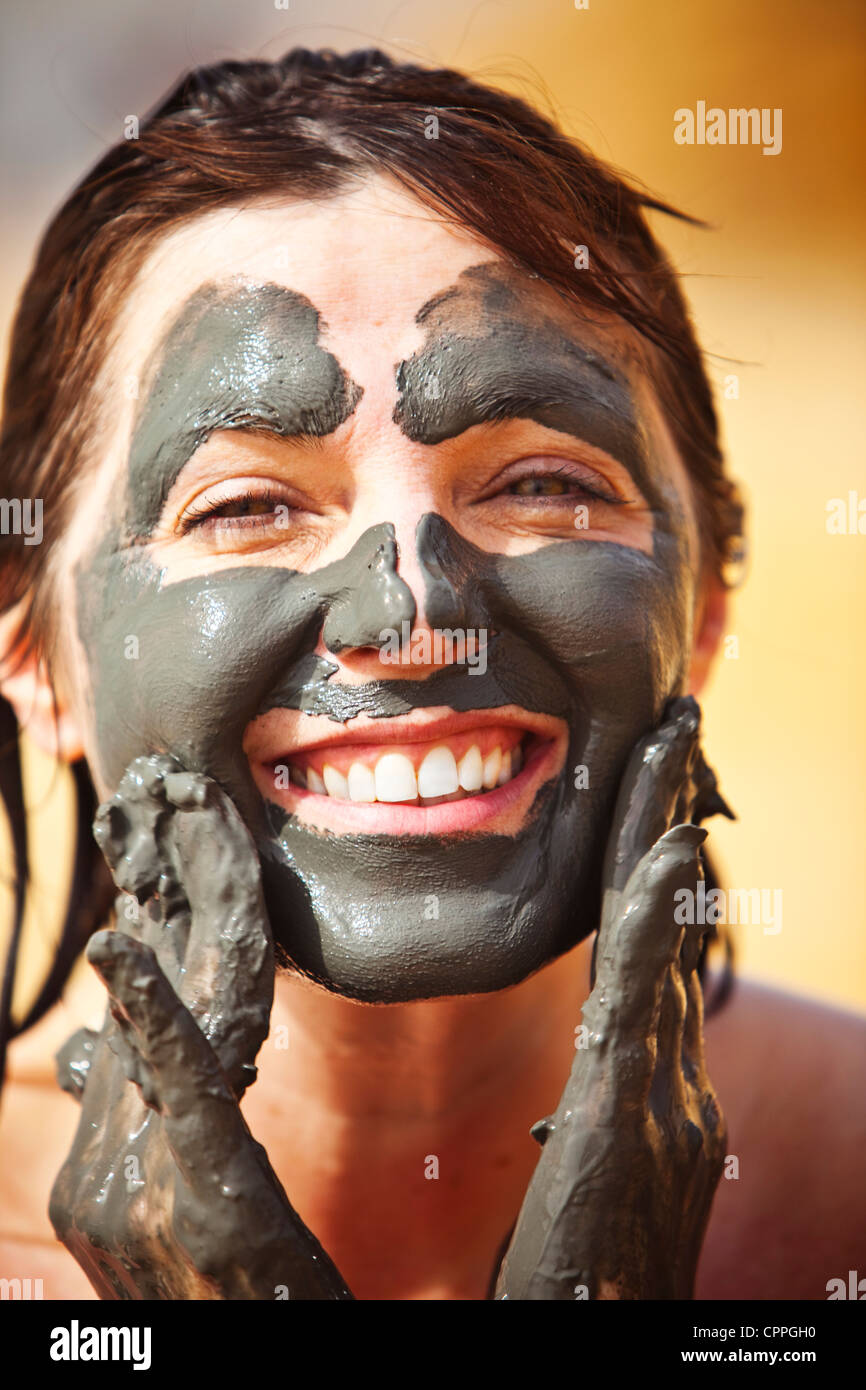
[[386, 525]]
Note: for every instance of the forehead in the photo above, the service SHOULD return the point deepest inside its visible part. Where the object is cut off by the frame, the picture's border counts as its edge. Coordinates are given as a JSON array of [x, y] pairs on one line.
[[382, 273], [369, 260]]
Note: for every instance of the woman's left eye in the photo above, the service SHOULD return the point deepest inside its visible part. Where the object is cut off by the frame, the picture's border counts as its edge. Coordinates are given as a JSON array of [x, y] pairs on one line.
[[546, 486], [562, 482]]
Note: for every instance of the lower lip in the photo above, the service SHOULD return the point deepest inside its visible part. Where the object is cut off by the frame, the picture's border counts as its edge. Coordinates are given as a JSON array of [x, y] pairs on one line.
[[449, 818]]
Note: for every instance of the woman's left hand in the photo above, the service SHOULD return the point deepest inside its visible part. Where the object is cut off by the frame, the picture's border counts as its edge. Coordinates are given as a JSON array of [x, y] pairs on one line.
[[620, 1198]]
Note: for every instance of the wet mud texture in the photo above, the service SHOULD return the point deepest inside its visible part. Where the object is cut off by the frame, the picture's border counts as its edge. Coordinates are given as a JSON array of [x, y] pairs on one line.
[[620, 1199], [597, 634], [165, 1193]]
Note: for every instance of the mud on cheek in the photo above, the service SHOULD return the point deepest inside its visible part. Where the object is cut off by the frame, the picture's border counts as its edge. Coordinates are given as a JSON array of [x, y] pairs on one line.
[[594, 633]]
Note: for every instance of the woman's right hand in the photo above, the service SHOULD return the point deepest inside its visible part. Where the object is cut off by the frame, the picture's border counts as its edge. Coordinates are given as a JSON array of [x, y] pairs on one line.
[[165, 1194]]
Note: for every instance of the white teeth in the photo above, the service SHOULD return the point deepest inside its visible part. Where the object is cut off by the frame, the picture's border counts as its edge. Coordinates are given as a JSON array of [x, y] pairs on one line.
[[362, 783], [335, 783], [470, 770], [437, 775], [395, 778], [492, 764], [439, 778]]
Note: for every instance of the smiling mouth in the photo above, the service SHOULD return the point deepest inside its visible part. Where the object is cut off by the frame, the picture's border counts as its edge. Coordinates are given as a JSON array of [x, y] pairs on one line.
[[441, 776]]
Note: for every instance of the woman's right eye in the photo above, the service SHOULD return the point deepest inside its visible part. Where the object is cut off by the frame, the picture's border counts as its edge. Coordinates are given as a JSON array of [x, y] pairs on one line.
[[245, 511]]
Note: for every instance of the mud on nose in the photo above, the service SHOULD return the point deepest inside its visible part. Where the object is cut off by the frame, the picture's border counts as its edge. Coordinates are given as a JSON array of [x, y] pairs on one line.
[[445, 570], [372, 597]]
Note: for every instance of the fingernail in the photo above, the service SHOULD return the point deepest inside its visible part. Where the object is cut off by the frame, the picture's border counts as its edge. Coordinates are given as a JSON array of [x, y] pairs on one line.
[[688, 835], [109, 946], [684, 708], [184, 789]]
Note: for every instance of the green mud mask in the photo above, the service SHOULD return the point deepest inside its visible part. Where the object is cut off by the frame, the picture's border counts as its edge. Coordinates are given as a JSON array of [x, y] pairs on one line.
[[593, 632]]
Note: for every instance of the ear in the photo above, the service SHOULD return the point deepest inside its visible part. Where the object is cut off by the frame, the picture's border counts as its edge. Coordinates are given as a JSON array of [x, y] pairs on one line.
[[709, 626], [25, 682]]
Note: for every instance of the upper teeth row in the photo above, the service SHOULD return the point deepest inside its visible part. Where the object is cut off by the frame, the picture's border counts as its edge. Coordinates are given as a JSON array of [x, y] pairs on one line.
[[394, 779]]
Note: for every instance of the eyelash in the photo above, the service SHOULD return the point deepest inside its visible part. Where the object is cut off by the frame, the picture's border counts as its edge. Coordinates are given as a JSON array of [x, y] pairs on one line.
[[206, 517], [580, 487]]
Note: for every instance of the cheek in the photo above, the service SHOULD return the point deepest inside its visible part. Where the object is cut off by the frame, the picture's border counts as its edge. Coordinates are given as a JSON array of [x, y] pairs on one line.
[[182, 669], [614, 621], [595, 632]]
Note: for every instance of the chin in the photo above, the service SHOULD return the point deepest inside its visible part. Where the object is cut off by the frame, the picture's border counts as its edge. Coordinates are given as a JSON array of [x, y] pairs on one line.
[[389, 920]]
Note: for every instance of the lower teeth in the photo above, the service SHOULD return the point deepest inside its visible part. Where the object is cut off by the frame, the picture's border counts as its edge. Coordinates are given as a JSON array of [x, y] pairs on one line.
[[459, 795]]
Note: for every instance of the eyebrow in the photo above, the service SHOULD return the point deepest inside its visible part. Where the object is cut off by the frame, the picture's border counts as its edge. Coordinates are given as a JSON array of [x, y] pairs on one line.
[[233, 358], [494, 352], [454, 383]]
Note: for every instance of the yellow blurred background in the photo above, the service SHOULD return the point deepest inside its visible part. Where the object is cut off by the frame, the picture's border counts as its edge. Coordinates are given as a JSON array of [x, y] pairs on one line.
[[777, 289]]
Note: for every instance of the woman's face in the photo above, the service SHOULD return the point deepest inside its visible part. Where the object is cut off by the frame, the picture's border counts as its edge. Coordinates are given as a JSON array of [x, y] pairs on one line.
[[385, 538]]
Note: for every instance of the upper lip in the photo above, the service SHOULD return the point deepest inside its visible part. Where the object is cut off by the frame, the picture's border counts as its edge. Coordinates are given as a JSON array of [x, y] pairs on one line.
[[421, 725]]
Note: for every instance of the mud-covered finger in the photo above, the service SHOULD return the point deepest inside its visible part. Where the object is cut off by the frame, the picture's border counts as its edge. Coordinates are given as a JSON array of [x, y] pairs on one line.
[[690, 954], [132, 829], [667, 1093], [229, 974], [636, 947], [693, 1027], [202, 1122], [650, 790], [172, 1049]]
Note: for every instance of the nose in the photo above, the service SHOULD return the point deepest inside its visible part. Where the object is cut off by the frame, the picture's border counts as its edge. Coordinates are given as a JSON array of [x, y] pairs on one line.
[[373, 600], [443, 574], [393, 590]]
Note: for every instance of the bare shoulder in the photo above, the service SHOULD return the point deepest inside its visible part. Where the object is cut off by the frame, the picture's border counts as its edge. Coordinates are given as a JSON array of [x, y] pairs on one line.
[[37, 1125], [789, 1214]]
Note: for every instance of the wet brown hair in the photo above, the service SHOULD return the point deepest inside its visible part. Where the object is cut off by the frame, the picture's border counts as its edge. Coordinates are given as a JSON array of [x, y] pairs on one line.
[[305, 126]]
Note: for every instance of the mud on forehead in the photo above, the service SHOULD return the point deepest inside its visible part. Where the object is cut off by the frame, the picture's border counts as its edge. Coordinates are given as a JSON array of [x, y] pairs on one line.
[[235, 357], [250, 357], [494, 350]]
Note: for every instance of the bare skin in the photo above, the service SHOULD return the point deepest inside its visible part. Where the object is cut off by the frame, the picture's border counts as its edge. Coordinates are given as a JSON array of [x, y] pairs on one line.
[[189, 987], [786, 1226], [350, 1113]]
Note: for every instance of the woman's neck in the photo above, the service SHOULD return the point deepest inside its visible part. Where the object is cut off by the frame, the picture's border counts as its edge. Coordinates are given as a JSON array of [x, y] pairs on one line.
[[401, 1132]]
